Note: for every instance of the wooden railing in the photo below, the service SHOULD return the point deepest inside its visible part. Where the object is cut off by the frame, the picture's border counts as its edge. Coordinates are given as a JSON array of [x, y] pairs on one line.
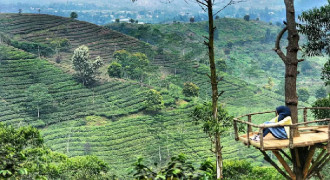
[[261, 127]]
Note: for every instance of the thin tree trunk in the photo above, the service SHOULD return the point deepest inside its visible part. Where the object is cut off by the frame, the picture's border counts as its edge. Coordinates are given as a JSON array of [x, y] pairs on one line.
[[214, 85], [38, 112]]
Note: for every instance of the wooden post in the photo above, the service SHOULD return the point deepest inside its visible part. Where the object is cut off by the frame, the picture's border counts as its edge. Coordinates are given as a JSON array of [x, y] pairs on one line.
[[268, 159], [328, 145], [291, 138], [284, 164], [305, 115], [250, 121], [308, 160], [261, 136], [236, 130], [316, 163], [286, 155], [248, 136]]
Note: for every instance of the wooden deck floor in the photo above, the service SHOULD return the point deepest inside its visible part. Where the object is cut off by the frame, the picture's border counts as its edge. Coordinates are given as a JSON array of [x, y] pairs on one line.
[[308, 136]]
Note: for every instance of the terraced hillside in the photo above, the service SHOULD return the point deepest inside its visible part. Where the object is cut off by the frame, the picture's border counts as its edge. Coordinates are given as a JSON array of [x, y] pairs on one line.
[[246, 47], [46, 28], [108, 119]]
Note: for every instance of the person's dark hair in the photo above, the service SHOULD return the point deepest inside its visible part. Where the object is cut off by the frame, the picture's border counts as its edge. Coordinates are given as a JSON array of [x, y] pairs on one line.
[[283, 112]]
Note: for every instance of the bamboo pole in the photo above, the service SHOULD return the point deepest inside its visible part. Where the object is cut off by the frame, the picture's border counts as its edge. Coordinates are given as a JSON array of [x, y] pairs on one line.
[[236, 130], [308, 160], [286, 155], [284, 164], [291, 138], [261, 136], [268, 159], [305, 115], [250, 121], [317, 162], [248, 136], [328, 145]]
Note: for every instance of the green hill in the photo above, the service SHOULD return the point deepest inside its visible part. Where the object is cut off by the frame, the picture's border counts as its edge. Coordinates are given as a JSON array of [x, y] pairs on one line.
[[246, 47], [108, 118]]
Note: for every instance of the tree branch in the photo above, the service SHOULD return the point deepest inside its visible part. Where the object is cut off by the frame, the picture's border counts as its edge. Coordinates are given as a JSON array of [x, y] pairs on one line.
[[220, 94], [231, 2], [277, 48]]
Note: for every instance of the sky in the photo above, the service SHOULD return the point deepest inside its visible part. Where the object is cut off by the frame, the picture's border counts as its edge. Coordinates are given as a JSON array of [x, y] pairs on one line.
[[182, 3], [178, 5]]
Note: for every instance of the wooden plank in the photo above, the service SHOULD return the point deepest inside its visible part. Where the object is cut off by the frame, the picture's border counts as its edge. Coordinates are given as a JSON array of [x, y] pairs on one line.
[[284, 164], [236, 130], [271, 143], [261, 136], [308, 160], [250, 121], [268, 159]]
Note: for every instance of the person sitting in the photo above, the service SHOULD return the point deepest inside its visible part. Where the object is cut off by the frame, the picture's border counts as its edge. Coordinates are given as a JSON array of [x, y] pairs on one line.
[[283, 118]]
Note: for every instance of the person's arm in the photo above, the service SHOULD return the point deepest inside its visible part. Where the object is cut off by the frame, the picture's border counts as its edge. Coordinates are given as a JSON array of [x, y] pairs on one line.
[[285, 121]]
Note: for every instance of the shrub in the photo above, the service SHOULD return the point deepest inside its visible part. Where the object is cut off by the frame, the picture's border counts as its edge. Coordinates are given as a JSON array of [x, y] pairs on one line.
[[190, 89], [319, 113], [114, 70], [321, 93], [247, 17], [154, 101], [73, 15]]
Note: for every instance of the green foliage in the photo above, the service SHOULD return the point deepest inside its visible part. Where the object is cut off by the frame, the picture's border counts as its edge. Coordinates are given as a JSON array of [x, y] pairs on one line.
[[13, 146], [86, 167], [32, 47], [319, 113], [73, 15], [247, 17], [270, 84], [180, 168], [221, 65], [38, 99], [303, 94], [316, 27], [134, 66], [115, 70], [245, 171], [22, 155], [60, 44], [85, 69], [141, 171], [154, 101], [321, 93], [203, 113], [190, 89], [325, 75]]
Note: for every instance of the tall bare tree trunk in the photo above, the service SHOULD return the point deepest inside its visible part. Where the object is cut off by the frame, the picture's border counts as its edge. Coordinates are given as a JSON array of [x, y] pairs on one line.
[[214, 84], [291, 63]]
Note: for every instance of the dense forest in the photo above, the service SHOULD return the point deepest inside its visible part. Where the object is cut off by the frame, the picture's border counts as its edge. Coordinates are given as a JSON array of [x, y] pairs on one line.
[[133, 101]]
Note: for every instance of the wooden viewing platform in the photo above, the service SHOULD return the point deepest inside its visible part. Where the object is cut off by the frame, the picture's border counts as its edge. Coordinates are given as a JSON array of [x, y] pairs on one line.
[[302, 147], [309, 135]]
